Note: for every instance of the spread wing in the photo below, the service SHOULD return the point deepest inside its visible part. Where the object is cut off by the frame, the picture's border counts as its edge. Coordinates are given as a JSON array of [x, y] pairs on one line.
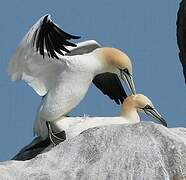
[[48, 35], [181, 34], [39, 58], [40, 74], [111, 86]]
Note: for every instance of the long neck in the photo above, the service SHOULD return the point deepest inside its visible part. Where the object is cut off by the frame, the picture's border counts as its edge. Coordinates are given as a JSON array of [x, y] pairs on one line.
[[100, 64], [130, 112]]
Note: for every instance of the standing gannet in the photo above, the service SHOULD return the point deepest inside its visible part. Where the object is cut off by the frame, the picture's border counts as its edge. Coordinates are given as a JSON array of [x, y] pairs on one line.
[[69, 127], [62, 71]]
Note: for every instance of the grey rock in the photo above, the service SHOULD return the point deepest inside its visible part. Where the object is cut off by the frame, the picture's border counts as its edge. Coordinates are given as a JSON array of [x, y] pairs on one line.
[[143, 151]]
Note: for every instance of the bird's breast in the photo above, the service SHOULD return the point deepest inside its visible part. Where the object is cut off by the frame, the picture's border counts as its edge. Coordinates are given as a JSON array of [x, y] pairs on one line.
[[65, 96]]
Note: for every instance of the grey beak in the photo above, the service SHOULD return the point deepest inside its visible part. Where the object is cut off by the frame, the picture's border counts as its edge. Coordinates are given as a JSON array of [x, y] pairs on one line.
[[129, 80], [154, 113]]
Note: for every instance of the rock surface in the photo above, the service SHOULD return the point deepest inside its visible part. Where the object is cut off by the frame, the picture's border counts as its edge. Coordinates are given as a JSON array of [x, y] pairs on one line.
[[142, 151]]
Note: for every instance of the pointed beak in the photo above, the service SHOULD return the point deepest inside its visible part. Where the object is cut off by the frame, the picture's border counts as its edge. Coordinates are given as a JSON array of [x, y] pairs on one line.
[[156, 115], [129, 80]]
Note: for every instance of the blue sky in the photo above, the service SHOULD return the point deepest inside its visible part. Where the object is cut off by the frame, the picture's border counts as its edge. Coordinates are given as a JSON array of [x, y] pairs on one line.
[[144, 29]]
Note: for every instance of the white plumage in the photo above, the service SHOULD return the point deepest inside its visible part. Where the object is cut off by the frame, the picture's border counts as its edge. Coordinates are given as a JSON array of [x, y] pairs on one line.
[[73, 126], [61, 71]]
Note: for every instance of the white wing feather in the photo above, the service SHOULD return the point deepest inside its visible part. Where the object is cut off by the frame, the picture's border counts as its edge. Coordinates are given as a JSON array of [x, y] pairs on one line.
[[41, 73], [83, 48], [30, 66]]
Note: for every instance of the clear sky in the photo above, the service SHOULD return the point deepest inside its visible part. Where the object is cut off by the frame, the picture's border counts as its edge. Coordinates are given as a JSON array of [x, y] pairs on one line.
[[144, 29]]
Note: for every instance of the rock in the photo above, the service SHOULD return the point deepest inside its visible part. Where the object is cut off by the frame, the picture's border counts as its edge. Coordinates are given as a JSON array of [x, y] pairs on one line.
[[139, 151]]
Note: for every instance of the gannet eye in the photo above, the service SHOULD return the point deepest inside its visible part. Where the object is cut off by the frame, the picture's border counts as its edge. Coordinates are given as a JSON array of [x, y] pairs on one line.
[[148, 107], [126, 71]]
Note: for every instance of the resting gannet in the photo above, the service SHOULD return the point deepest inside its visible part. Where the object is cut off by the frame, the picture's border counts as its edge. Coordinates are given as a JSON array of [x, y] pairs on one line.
[[62, 71], [69, 127], [72, 126]]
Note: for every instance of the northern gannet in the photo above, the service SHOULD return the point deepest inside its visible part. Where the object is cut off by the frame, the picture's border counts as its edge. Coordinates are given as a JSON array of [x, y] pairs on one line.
[[62, 71]]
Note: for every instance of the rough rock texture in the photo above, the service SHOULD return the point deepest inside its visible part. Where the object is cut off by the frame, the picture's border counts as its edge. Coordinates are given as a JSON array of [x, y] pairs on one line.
[[142, 151]]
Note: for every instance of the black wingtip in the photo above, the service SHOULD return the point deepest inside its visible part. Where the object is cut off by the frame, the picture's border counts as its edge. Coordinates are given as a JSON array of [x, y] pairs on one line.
[[47, 17], [48, 36], [110, 85]]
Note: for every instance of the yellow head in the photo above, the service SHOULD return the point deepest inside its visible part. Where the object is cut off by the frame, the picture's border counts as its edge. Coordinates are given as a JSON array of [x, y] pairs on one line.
[[115, 58], [119, 63], [139, 102]]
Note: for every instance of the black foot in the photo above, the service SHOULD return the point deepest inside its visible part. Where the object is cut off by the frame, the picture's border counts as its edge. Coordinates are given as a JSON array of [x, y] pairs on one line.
[[55, 138]]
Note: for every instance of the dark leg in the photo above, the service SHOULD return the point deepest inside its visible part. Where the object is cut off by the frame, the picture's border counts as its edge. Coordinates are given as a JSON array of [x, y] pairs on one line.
[[55, 138]]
